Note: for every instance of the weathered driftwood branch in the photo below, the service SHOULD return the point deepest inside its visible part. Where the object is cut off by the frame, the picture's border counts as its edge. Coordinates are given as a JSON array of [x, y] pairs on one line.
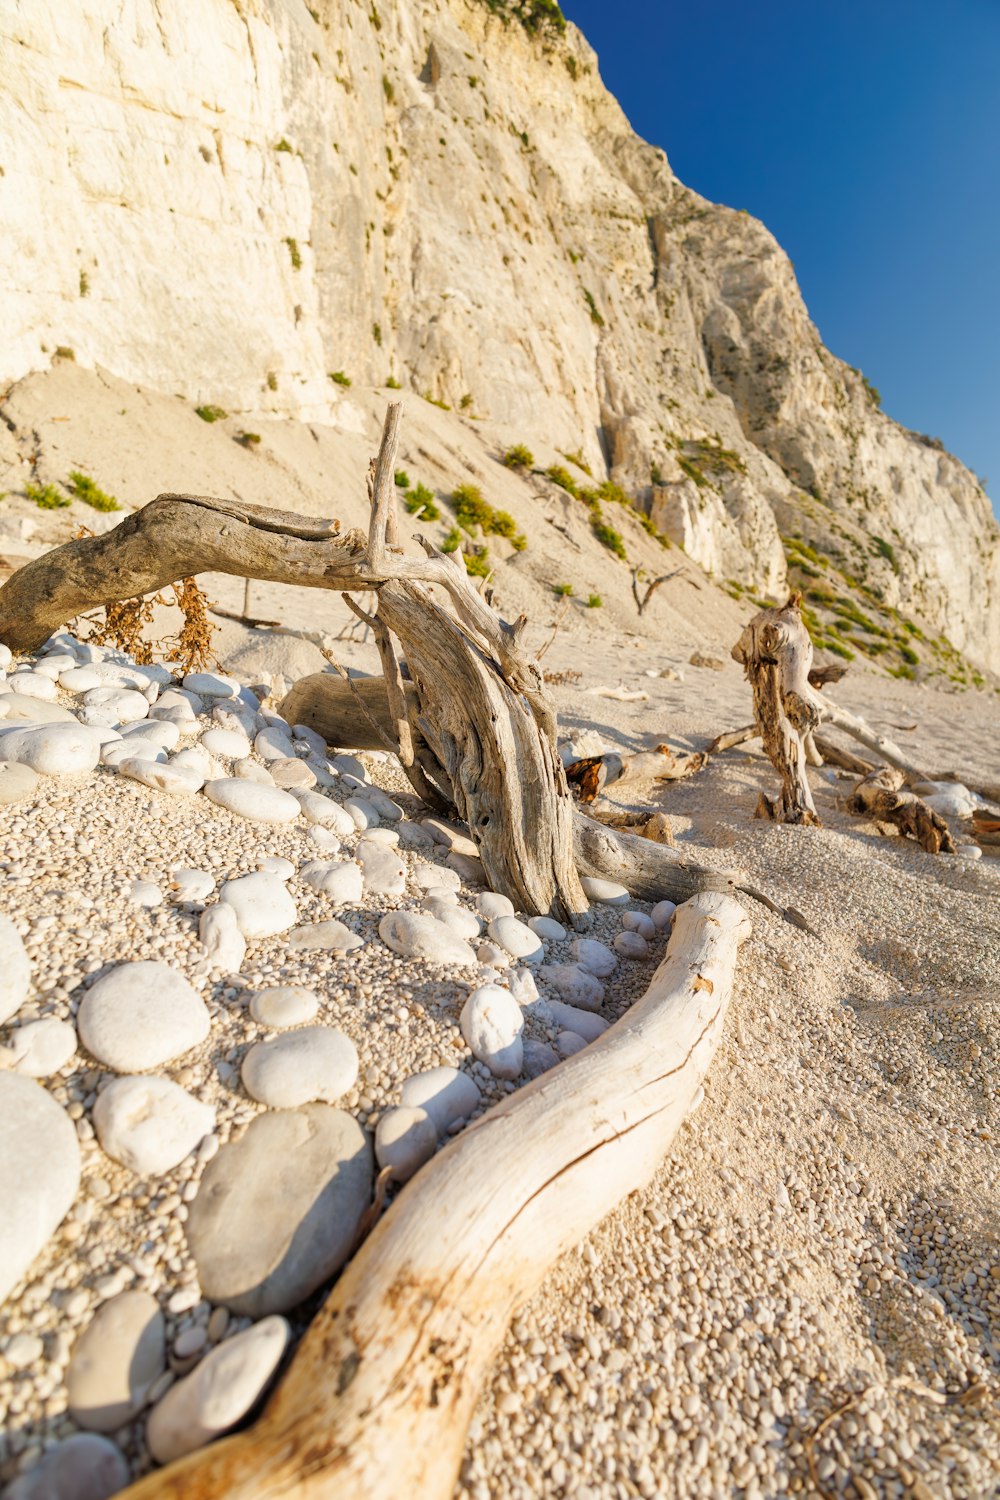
[[595, 772], [378, 1399], [639, 576], [878, 795]]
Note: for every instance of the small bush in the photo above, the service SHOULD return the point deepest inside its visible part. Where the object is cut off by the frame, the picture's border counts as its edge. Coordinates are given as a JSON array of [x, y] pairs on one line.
[[84, 284], [519, 542], [283, 145], [402, 479], [595, 316], [339, 378], [473, 513], [874, 394], [64, 352], [46, 496], [478, 563], [594, 601], [211, 413], [576, 457], [610, 538], [249, 439], [86, 490], [655, 474], [388, 90], [465, 402], [377, 333], [420, 498], [564, 479], [433, 401], [294, 252], [392, 384], [562, 590], [452, 541], [272, 381], [518, 457], [612, 493]]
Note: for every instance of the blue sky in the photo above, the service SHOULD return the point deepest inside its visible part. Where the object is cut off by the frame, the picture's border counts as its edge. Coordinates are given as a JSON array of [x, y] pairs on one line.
[[866, 136]]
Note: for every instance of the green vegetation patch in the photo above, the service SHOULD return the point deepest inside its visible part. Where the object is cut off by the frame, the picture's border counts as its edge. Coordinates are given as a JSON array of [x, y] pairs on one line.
[[518, 457], [86, 490], [46, 496], [211, 413]]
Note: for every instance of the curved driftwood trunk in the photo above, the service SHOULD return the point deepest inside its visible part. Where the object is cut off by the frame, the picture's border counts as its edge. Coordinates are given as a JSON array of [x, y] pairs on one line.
[[480, 706], [379, 1396]]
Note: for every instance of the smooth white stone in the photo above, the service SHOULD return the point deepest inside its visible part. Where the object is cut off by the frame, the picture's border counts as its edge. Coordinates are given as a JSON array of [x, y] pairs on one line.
[[79, 679], [637, 921], [583, 1022], [191, 885], [414, 836], [363, 812], [53, 749], [468, 867], [6, 656], [387, 836], [576, 985], [219, 934], [41, 1048], [663, 914], [116, 1361], [323, 839], [219, 1391], [231, 743], [118, 750], [150, 1124], [332, 936], [631, 945], [491, 906], [261, 804], [518, 939], [195, 759], [292, 774], [547, 928], [15, 969], [274, 744], [82, 1467], [177, 780], [18, 708], [405, 1138], [17, 782], [383, 871], [384, 805], [608, 891], [419, 935], [145, 893], [447, 1095], [113, 706], [283, 1006], [522, 986], [313, 1063], [426, 876], [440, 894], [262, 904], [209, 685], [597, 958], [323, 810], [569, 1043], [52, 663], [349, 765], [308, 739], [33, 685], [461, 921], [41, 1173], [140, 1016], [493, 955], [252, 770], [341, 882], [492, 1023], [237, 717], [274, 864]]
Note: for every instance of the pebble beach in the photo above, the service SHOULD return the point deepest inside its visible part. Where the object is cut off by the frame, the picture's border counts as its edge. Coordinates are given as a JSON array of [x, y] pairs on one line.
[[243, 973]]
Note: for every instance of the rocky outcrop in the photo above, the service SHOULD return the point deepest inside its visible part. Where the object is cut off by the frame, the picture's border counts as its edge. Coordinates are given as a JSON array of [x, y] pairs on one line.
[[252, 202]]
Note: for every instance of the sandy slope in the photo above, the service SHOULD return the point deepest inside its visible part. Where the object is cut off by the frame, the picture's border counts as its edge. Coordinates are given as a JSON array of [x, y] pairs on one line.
[[827, 1223]]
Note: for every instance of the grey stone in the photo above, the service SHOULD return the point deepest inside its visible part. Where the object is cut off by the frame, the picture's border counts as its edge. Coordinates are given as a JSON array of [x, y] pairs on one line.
[[115, 1361], [41, 1168], [15, 969], [277, 1211], [82, 1467]]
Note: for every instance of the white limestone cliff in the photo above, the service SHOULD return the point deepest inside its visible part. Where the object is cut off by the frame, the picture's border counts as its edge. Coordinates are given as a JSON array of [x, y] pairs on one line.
[[236, 200]]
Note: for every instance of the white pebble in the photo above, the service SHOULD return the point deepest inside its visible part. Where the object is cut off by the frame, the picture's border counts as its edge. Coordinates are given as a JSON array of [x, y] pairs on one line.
[[492, 1023]]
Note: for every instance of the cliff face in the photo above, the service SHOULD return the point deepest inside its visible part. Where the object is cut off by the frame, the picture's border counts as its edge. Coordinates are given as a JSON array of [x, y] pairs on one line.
[[238, 200]]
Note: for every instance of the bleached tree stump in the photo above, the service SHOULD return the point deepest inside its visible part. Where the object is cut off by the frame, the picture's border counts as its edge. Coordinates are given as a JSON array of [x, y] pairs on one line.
[[379, 1396], [879, 795]]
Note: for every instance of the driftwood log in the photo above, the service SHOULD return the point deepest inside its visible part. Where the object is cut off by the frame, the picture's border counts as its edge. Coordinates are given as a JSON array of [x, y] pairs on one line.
[[879, 795], [379, 1396]]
